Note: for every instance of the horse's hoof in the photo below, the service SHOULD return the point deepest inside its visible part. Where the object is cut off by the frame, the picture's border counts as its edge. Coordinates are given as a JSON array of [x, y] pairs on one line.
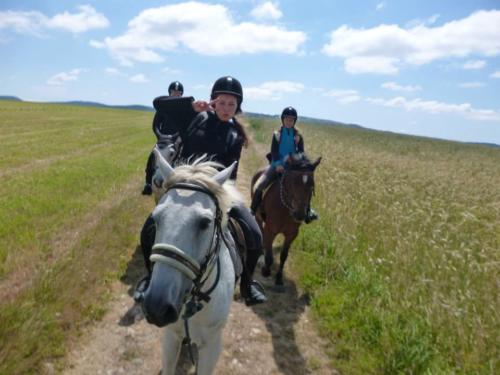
[[266, 271]]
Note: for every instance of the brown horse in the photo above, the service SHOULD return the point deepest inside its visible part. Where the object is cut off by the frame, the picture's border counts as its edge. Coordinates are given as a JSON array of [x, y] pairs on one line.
[[283, 209]]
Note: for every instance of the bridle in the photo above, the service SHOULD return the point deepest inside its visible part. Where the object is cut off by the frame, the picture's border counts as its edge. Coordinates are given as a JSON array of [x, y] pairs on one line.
[[284, 194], [198, 273]]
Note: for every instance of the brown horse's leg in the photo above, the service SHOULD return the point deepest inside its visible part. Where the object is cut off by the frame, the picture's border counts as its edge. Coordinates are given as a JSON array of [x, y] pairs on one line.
[[289, 237], [268, 251]]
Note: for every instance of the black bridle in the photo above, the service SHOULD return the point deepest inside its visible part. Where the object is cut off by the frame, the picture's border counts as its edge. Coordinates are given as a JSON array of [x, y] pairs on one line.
[[284, 194], [198, 273], [190, 267]]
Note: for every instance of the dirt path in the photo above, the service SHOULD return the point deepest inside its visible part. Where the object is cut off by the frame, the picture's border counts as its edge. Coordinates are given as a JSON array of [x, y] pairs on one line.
[[274, 338]]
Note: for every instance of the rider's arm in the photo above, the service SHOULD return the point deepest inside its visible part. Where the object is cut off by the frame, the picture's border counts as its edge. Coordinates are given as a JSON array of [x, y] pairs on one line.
[[157, 125], [178, 109]]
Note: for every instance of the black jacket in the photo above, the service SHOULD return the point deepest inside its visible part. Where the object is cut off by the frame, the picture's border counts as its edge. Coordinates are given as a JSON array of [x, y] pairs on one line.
[[202, 133], [163, 124]]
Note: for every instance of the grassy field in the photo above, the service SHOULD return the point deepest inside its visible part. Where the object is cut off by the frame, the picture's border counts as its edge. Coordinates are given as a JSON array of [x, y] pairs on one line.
[[70, 214], [402, 269]]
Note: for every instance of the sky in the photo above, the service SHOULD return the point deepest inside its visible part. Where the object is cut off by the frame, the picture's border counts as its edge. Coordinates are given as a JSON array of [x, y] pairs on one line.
[[428, 68]]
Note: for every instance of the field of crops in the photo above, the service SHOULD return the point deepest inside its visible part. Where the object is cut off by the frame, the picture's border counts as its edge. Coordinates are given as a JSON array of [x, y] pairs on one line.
[[403, 267]]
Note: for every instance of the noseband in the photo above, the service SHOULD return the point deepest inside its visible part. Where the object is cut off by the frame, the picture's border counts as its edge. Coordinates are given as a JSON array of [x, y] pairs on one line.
[[169, 254]]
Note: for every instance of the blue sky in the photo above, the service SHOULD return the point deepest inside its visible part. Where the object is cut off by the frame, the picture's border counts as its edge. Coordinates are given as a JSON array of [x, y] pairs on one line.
[[428, 68]]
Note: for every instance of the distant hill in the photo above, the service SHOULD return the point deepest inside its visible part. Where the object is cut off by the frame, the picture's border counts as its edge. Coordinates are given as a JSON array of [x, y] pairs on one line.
[[139, 107], [136, 107], [6, 97]]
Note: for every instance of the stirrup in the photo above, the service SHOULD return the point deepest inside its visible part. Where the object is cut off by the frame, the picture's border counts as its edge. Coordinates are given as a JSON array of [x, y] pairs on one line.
[[257, 294]]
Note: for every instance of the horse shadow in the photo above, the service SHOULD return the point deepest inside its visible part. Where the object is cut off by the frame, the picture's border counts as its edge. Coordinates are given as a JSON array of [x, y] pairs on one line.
[[282, 310], [134, 271]]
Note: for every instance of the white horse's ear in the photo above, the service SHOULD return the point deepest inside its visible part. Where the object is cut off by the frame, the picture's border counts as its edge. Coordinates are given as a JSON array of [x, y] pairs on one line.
[[165, 169], [223, 175]]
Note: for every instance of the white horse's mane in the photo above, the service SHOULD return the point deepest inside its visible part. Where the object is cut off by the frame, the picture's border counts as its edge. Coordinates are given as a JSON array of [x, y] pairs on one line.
[[201, 171]]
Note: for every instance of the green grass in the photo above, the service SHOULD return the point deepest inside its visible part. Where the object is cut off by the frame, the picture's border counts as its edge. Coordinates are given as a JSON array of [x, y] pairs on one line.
[[403, 266], [71, 211]]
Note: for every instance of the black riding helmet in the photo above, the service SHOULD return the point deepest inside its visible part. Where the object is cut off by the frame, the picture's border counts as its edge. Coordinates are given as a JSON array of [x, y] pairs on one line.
[[228, 85], [289, 111], [177, 86]]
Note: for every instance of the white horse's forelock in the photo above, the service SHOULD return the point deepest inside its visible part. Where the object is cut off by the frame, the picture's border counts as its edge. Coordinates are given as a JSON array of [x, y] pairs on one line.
[[202, 172]]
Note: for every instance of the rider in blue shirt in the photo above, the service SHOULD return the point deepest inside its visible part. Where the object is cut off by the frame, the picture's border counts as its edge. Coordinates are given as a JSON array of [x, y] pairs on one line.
[[287, 144]]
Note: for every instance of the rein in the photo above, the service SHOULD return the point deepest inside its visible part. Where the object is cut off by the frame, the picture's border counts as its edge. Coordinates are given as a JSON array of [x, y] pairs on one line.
[[190, 267], [283, 194]]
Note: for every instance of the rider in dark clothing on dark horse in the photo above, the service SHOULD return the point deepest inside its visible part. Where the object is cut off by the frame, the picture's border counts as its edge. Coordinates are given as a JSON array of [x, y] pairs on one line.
[[162, 126], [210, 128]]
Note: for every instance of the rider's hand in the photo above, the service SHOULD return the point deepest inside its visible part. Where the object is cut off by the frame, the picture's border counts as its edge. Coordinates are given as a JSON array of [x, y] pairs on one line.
[[280, 169], [202, 105]]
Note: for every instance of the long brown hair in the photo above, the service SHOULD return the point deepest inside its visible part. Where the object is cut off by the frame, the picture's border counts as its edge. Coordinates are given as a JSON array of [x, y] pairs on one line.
[[241, 127]]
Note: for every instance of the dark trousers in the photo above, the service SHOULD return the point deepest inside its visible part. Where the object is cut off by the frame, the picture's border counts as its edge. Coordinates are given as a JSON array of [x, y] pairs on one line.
[[250, 228], [150, 168]]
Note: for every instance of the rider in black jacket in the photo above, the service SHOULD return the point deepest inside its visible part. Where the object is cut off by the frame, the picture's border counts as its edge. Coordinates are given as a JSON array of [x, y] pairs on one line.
[[211, 128], [162, 126]]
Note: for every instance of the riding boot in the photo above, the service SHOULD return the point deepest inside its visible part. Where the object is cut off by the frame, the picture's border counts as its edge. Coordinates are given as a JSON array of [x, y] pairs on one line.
[[311, 216], [256, 200], [150, 169], [251, 290], [148, 233]]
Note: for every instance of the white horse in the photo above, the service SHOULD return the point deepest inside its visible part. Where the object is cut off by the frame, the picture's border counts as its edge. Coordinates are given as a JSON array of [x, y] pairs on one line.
[[169, 148], [193, 276]]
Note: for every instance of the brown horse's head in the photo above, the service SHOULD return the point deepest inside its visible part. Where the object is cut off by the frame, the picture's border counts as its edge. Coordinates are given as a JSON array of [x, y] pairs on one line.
[[297, 187]]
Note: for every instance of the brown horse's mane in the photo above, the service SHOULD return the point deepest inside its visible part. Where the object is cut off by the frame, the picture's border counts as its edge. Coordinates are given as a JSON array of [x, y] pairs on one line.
[[302, 165]]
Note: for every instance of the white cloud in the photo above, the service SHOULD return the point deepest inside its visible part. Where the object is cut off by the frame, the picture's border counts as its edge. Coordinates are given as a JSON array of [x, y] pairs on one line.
[[471, 85], [391, 47], [344, 96], [273, 90], [425, 22], [206, 29], [267, 11], [171, 71], [474, 64], [85, 20], [435, 107], [63, 77], [396, 87], [33, 22], [139, 78], [495, 74], [380, 5]]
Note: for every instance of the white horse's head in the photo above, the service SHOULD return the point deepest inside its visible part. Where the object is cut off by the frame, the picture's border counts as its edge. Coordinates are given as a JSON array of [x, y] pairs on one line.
[[189, 219]]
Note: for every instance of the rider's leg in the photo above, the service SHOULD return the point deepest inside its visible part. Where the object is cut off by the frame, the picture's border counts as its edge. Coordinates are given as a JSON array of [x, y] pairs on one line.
[[150, 170], [262, 183], [148, 233], [250, 289]]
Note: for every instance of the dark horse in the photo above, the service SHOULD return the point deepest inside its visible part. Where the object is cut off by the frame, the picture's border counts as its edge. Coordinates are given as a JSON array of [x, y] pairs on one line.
[[283, 209]]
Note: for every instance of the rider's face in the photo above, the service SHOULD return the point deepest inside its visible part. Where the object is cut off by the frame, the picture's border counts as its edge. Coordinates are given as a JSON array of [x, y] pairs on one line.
[[226, 106], [175, 93], [288, 121]]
